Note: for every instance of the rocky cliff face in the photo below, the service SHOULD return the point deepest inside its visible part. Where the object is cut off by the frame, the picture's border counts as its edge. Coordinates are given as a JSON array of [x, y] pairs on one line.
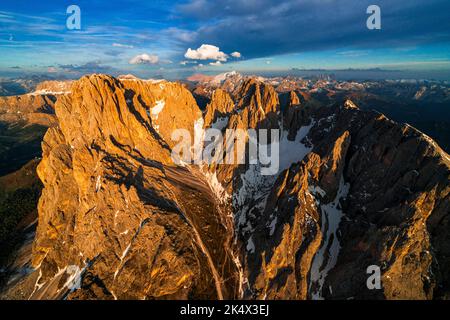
[[32, 109], [24, 120], [119, 219], [355, 190], [36, 107], [132, 222], [53, 87]]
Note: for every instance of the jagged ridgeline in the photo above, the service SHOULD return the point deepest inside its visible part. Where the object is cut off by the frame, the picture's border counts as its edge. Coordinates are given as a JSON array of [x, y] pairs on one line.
[[118, 219]]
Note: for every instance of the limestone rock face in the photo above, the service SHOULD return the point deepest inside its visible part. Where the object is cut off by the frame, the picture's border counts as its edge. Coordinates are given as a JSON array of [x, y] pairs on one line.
[[24, 120], [353, 191], [36, 107], [221, 106], [54, 87], [168, 105], [117, 210], [118, 219], [355, 202], [30, 108]]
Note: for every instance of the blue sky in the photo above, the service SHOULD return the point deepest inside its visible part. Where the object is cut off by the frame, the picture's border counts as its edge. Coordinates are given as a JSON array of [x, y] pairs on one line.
[[150, 38]]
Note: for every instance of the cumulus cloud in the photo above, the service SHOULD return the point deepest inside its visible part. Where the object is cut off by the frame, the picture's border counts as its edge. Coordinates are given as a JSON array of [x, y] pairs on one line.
[[215, 63], [206, 52], [236, 54], [145, 59]]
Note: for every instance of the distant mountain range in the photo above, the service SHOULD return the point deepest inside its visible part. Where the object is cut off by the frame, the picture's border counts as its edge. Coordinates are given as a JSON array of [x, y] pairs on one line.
[[421, 103], [22, 85]]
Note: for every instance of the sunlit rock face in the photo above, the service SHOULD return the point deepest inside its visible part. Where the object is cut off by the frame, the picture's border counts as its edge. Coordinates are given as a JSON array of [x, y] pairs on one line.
[[118, 219]]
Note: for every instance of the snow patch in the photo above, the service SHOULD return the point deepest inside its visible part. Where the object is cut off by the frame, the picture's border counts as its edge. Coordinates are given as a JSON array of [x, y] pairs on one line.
[[331, 216], [250, 245], [216, 186], [316, 190], [294, 151], [255, 187], [47, 92], [98, 184], [124, 253], [272, 226], [155, 111]]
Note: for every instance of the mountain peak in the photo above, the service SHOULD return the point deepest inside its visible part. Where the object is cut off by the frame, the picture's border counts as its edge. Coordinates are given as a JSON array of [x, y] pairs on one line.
[[117, 208], [350, 104]]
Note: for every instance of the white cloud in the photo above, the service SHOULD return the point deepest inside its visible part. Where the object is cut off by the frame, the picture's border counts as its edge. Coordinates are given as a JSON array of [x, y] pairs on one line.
[[145, 59], [120, 45], [206, 52], [236, 54], [216, 63]]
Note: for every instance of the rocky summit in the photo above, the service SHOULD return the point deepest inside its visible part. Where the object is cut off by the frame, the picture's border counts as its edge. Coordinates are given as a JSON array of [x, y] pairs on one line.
[[119, 219]]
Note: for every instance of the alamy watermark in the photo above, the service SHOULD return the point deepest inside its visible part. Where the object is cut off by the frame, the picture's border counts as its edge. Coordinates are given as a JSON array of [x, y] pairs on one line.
[[73, 21], [374, 20], [374, 280]]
